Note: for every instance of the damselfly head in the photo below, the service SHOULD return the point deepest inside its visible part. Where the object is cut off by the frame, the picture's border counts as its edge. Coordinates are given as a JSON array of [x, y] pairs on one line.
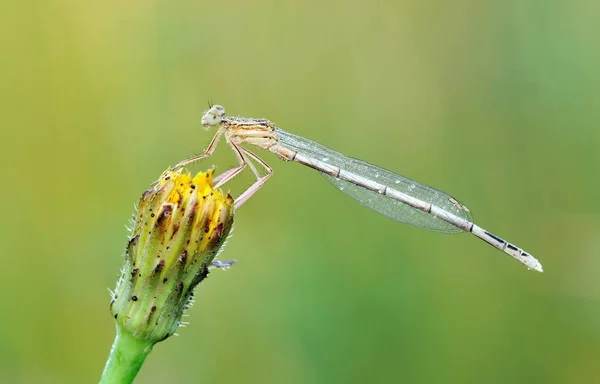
[[213, 116]]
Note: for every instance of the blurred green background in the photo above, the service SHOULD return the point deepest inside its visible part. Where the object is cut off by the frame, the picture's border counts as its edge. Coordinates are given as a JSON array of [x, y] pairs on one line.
[[497, 103]]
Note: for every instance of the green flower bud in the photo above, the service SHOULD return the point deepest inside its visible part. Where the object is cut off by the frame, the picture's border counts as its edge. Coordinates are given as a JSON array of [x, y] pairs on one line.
[[180, 225]]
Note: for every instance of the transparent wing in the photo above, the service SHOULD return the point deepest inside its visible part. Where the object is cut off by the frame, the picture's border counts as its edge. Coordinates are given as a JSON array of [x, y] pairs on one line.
[[382, 204]]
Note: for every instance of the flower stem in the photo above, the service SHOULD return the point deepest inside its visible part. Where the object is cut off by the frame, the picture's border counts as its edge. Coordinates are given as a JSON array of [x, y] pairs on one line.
[[126, 358]]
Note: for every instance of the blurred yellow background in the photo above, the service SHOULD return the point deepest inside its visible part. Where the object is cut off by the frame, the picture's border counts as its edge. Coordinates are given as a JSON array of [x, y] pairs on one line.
[[496, 103]]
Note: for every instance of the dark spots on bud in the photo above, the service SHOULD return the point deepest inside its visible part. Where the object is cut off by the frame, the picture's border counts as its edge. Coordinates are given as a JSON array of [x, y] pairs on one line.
[[193, 186], [152, 215], [166, 212], [201, 275], [175, 229], [180, 287], [133, 242], [159, 267], [219, 231], [193, 210], [116, 315], [165, 280], [207, 226], [134, 272], [168, 178], [152, 310], [134, 298], [204, 273], [183, 257]]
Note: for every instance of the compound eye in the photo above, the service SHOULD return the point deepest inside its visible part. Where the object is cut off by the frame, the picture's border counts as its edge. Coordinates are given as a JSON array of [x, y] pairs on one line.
[[213, 116]]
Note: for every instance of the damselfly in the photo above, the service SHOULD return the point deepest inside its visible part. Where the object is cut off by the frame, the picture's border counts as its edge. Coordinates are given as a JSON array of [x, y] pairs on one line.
[[385, 192]]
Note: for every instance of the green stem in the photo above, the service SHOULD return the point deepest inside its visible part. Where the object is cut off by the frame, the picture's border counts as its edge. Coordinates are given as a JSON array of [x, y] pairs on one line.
[[126, 358]]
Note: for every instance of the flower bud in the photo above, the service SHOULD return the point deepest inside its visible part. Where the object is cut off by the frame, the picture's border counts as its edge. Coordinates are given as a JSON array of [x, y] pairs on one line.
[[180, 225]]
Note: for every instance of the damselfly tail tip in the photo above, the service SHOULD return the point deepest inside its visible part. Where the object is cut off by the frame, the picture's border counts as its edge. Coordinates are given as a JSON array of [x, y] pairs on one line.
[[534, 264]]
